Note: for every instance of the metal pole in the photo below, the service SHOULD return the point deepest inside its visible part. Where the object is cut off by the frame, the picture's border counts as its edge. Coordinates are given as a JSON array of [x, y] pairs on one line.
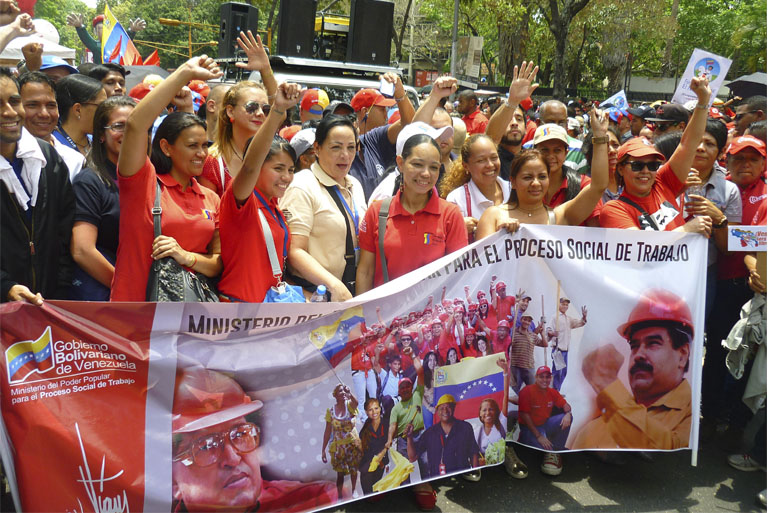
[[455, 37], [410, 52]]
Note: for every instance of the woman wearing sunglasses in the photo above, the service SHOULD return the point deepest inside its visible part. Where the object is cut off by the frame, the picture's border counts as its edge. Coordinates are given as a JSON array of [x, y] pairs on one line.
[[652, 186], [245, 107], [190, 232], [97, 214]]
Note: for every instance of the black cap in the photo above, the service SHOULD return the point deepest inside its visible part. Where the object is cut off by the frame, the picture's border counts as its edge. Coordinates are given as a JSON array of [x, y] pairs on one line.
[[670, 112], [642, 111], [335, 105]]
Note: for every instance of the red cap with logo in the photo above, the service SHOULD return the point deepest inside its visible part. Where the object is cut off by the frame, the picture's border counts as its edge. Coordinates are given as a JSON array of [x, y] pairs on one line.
[[367, 98], [639, 147], [746, 141], [543, 370]]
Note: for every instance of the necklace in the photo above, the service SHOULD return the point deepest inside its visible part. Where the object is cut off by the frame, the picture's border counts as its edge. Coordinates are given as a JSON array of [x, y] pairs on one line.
[[530, 212], [236, 154]]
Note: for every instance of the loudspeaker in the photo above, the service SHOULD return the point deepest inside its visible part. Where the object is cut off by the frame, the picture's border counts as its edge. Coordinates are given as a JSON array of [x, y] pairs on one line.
[[296, 33], [235, 17], [370, 32]]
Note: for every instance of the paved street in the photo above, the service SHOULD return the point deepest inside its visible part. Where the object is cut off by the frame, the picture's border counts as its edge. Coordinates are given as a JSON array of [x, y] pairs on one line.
[[668, 483]]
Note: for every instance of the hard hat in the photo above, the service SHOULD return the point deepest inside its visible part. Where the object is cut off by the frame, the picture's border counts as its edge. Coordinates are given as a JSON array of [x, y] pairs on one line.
[[658, 305]]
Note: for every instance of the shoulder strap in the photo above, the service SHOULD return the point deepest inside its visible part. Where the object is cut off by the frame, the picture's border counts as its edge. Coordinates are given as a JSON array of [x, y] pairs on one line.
[[645, 215], [551, 215], [469, 199], [157, 211], [349, 252], [221, 172], [277, 272], [383, 216]]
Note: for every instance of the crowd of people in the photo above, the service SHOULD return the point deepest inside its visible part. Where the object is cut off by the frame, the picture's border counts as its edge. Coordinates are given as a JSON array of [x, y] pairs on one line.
[[345, 193]]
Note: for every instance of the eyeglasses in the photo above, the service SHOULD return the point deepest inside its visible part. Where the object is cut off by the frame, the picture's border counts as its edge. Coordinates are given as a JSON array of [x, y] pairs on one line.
[[252, 106], [739, 117], [638, 165], [116, 127], [206, 450]]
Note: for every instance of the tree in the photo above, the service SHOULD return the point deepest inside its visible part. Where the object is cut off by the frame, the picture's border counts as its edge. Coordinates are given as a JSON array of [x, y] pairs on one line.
[[559, 17]]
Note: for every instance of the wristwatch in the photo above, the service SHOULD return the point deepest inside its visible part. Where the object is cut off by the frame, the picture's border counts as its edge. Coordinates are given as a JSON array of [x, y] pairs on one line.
[[721, 224], [603, 139]]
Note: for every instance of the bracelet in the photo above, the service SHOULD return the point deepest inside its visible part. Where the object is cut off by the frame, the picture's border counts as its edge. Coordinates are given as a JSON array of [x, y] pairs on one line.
[[194, 261], [403, 97], [702, 107], [508, 105], [279, 112], [603, 139]]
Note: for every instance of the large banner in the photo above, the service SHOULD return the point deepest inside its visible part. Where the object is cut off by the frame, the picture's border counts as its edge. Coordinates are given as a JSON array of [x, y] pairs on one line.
[[560, 338]]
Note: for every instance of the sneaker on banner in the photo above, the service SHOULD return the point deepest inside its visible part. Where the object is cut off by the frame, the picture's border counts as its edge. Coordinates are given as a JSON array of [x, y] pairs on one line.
[[552, 464], [513, 465], [473, 476]]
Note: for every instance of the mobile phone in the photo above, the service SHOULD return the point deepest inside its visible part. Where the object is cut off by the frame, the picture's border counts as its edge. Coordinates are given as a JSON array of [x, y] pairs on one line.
[[386, 88]]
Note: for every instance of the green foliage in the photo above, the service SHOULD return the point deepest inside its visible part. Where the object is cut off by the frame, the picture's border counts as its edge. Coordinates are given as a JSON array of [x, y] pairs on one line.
[[56, 12]]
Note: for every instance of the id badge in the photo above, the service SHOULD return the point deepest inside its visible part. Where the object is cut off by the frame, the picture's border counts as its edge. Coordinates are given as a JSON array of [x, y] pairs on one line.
[[441, 469]]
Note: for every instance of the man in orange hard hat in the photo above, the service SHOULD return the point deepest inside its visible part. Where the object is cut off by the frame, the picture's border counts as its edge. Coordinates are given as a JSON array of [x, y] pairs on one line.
[[215, 462], [657, 415]]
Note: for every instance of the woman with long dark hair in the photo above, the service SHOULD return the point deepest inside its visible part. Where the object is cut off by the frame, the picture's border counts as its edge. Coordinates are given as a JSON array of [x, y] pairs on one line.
[[97, 216], [373, 436], [77, 97], [189, 211]]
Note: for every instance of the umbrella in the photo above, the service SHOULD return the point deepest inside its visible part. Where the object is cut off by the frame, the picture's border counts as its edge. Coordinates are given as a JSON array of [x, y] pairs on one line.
[[748, 85], [139, 72]]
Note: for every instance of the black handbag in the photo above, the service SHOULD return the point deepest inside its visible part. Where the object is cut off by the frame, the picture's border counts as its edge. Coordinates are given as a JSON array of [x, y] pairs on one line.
[[169, 282]]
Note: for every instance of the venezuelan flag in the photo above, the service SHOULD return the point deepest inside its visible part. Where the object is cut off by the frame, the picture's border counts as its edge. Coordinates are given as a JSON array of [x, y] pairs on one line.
[[116, 46], [333, 339], [470, 382], [24, 358]]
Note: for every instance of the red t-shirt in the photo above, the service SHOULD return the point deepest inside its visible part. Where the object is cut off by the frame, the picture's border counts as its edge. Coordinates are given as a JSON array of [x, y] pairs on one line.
[[413, 240], [538, 402], [212, 172], [476, 122], [731, 265], [468, 351], [661, 204], [247, 273], [558, 198], [190, 216], [506, 304]]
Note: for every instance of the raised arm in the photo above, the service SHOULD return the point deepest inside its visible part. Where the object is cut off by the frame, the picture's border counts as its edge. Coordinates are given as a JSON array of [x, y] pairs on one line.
[[522, 87], [21, 26], [441, 88], [258, 60], [575, 211], [682, 159], [141, 118], [244, 182], [404, 105]]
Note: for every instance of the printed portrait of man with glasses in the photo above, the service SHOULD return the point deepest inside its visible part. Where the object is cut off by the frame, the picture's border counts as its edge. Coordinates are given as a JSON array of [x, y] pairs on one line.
[[216, 464]]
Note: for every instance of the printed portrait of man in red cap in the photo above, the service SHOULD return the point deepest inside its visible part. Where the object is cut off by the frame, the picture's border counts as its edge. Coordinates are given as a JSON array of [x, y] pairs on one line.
[[216, 465], [657, 413]]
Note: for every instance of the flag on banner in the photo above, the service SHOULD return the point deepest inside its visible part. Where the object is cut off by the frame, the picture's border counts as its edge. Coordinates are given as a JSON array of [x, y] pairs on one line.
[[332, 339], [470, 382], [618, 100], [29, 356], [152, 59], [116, 46]]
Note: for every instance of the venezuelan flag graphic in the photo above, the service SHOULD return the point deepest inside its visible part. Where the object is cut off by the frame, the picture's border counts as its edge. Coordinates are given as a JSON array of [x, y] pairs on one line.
[[207, 214], [333, 339], [24, 358], [116, 46], [470, 382]]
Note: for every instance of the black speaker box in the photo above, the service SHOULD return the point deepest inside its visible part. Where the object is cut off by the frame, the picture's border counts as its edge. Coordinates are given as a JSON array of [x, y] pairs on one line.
[[370, 32], [234, 18], [296, 33]]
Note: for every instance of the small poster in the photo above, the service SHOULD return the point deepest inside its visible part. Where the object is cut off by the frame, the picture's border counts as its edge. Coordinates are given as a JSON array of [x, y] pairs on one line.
[[702, 64], [746, 238]]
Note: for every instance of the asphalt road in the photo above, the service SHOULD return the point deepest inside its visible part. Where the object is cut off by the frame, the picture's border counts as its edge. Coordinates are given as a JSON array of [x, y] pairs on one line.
[[666, 483]]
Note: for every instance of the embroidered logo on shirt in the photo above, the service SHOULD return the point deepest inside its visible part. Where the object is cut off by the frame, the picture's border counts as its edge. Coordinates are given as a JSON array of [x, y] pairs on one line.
[[207, 214], [432, 238]]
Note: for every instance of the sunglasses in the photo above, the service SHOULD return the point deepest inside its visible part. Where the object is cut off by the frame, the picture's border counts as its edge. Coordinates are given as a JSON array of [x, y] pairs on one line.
[[253, 106], [638, 166], [206, 450], [116, 127]]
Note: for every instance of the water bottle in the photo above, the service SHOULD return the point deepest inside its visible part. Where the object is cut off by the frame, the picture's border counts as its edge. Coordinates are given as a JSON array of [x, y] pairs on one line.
[[319, 295]]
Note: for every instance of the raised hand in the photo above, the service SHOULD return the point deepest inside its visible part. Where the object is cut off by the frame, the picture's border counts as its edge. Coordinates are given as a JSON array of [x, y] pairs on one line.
[[202, 68], [254, 50], [33, 55], [75, 20], [444, 86], [9, 10], [601, 367], [394, 78], [137, 25], [287, 96], [598, 121], [522, 85], [700, 87], [23, 25]]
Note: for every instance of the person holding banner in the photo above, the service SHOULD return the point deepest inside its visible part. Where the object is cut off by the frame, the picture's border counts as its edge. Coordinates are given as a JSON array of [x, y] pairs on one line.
[[251, 202], [529, 175], [215, 462], [657, 413], [190, 212], [417, 218], [652, 186]]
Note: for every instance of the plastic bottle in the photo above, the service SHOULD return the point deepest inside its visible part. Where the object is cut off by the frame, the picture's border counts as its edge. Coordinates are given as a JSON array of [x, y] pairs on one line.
[[319, 295]]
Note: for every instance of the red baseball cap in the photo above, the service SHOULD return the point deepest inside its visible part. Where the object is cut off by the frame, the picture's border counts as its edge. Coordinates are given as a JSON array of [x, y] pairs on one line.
[[746, 141], [140, 90], [638, 147], [98, 19], [200, 87], [315, 101], [367, 98], [288, 132], [543, 369]]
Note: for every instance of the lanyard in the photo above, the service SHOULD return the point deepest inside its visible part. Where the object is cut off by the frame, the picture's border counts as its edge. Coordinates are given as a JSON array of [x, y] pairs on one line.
[[277, 218], [351, 211]]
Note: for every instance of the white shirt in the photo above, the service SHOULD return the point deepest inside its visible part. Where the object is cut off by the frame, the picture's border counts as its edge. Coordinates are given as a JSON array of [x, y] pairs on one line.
[[72, 158], [385, 187], [477, 201]]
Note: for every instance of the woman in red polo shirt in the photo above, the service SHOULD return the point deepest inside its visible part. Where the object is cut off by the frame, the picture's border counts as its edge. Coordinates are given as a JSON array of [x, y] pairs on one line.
[[266, 173], [421, 227], [190, 212], [652, 186]]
